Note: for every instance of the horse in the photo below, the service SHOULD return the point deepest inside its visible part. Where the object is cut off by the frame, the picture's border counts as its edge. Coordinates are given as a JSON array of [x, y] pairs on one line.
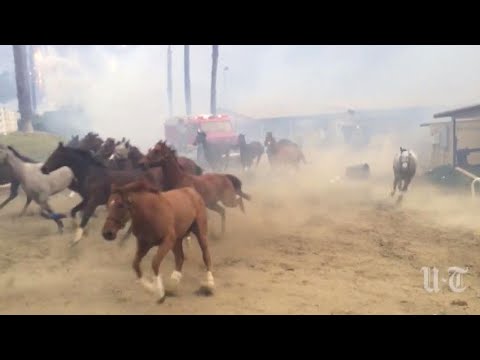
[[249, 152], [283, 152], [106, 150], [37, 186], [8, 177], [213, 188], [216, 154], [160, 219], [94, 180], [404, 169]]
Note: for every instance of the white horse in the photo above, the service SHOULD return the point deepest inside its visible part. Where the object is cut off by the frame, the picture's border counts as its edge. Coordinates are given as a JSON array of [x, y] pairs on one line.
[[35, 184], [404, 169]]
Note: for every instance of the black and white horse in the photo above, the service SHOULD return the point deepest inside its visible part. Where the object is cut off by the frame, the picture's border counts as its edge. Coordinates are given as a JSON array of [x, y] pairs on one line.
[[404, 169]]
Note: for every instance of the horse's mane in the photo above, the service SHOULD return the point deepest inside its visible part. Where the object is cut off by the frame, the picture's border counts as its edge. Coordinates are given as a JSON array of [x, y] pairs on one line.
[[137, 186], [87, 155], [20, 156]]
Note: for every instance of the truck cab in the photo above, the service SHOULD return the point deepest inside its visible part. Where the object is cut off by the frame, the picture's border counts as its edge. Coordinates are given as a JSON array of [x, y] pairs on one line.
[[181, 131]]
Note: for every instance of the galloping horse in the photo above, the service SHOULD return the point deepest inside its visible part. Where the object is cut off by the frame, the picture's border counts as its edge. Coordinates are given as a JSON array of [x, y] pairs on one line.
[[94, 180], [404, 169], [249, 152], [213, 188], [159, 219], [37, 186], [7, 176], [216, 154], [283, 152]]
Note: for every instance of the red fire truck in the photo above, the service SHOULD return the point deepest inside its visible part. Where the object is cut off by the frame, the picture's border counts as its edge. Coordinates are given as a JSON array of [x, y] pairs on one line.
[[181, 131]]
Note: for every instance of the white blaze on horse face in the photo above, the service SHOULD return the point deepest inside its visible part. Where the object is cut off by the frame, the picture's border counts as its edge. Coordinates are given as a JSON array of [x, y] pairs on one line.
[[404, 165]]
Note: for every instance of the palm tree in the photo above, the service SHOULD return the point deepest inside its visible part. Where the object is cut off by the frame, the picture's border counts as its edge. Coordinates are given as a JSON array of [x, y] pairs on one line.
[[23, 88], [213, 92], [169, 81], [188, 99]]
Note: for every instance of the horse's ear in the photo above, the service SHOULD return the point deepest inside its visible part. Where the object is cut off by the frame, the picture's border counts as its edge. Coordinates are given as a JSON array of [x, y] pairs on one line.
[[60, 144]]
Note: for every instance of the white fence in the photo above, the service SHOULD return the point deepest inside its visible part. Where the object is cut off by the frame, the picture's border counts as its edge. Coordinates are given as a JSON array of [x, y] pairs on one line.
[[8, 121]]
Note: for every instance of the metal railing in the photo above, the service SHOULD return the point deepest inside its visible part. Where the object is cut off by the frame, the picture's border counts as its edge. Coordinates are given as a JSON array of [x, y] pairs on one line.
[[474, 178]]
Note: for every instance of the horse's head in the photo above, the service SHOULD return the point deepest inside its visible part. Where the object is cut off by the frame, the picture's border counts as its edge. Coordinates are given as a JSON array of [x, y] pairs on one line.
[[269, 139], [241, 139], [107, 149], [56, 160], [404, 159], [121, 151], [158, 155], [117, 213], [201, 137]]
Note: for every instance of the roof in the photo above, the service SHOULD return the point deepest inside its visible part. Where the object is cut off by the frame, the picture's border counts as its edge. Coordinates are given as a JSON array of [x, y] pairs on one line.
[[461, 113], [447, 122]]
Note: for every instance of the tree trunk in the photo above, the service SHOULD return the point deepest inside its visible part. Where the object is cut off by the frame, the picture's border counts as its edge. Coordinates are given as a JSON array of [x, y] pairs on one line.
[[169, 81], [188, 98], [23, 88], [33, 76], [213, 88]]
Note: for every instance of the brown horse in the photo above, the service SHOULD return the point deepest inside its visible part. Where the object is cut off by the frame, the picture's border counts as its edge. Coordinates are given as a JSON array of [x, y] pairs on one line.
[[283, 152], [159, 219], [213, 188]]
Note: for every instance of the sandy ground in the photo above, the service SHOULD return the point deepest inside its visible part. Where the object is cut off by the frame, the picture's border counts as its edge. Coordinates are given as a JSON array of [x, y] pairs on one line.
[[305, 246]]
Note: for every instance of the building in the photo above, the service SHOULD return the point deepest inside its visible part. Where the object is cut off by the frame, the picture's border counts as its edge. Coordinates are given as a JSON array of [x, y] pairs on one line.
[[8, 121], [456, 141]]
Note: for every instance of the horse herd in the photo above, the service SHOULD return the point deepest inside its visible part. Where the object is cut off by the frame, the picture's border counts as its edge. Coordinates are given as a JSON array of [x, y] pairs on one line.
[[164, 196]]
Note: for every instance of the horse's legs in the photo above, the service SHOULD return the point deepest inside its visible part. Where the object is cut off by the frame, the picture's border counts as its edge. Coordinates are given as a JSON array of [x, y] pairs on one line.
[[27, 203], [395, 183], [179, 258], [258, 159], [77, 208], [406, 182], [139, 255], [220, 210], [47, 212], [13, 194], [165, 246], [199, 228], [86, 215]]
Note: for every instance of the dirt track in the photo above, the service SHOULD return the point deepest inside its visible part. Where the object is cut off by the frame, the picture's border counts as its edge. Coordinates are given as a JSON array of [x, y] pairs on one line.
[[324, 248]]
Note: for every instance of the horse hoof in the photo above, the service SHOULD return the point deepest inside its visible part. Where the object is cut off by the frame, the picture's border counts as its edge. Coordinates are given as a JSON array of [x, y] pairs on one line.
[[205, 290], [162, 299]]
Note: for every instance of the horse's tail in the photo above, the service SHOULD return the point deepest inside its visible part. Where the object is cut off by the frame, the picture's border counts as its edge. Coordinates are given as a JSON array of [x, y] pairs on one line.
[[237, 185]]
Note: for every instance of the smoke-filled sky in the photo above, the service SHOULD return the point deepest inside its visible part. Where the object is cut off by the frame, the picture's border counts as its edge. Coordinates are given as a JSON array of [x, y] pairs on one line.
[[122, 91]]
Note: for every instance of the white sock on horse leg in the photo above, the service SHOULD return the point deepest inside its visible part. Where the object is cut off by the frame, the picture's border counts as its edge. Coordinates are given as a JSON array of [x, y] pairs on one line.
[[160, 289], [176, 276], [187, 240], [210, 281], [78, 234], [146, 284]]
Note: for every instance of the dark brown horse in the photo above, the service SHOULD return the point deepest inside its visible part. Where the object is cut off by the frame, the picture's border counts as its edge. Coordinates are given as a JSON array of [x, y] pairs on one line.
[[216, 154], [249, 152], [159, 219], [283, 152], [94, 180], [213, 188]]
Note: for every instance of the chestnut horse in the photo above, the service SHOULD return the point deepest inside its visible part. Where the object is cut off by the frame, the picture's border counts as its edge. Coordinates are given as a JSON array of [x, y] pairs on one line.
[[213, 188], [159, 219]]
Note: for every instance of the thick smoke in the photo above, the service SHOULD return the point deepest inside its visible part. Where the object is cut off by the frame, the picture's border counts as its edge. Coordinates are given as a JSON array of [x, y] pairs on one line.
[[124, 91]]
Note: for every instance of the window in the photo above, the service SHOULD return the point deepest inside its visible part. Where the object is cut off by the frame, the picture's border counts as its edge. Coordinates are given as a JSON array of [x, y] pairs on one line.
[[216, 126]]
